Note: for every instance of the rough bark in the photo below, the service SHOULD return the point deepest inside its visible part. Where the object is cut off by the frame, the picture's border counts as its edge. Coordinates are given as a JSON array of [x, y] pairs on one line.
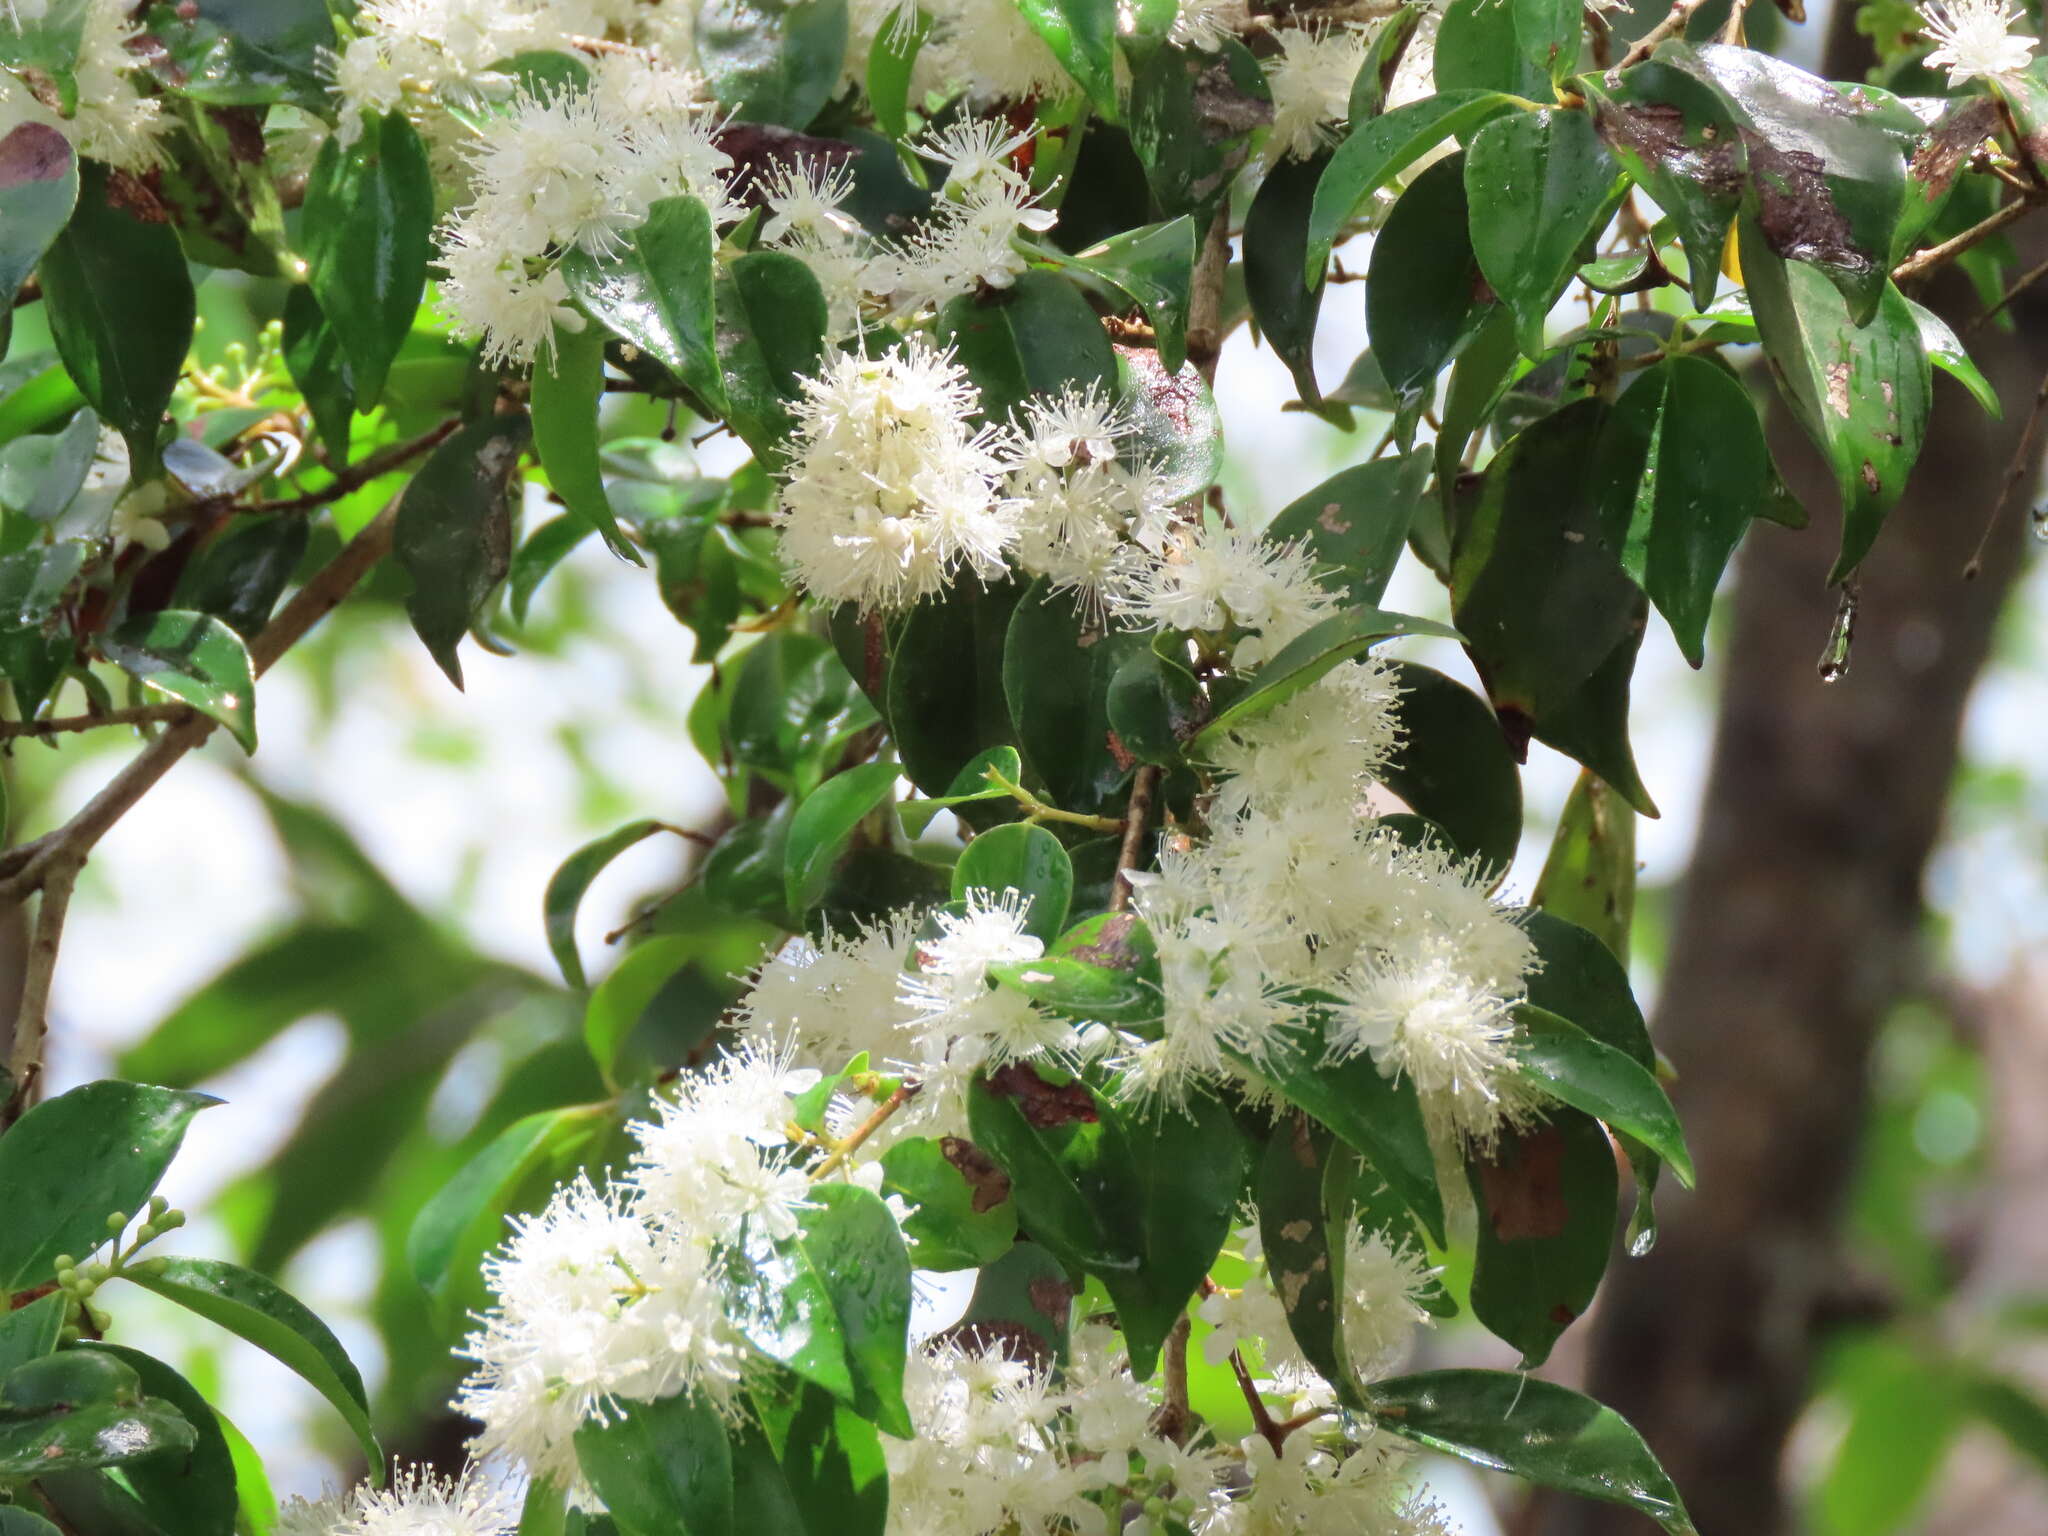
[[1797, 929]]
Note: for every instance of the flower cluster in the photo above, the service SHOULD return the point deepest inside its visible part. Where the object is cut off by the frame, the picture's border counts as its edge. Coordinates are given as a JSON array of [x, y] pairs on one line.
[[1974, 39], [417, 1503], [112, 121]]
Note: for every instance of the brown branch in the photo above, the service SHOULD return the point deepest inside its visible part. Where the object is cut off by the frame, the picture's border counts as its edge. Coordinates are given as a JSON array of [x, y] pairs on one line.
[[1144, 784], [1923, 262], [2020, 285], [141, 714], [1175, 1418], [32, 1021], [1673, 25], [2022, 462], [356, 476]]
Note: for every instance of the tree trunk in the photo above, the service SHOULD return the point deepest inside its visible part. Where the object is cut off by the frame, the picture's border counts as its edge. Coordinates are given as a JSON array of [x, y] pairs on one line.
[[1797, 929]]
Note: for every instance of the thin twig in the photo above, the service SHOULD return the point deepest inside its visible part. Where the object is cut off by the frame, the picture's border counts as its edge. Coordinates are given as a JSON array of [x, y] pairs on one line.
[[902, 1096], [32, 1019], [357, 475], [1732, 32], [2020, 285], [1144, 784], [141, 714], [1175, 1418], [1671, 26], [1923, 262], [2016, 471]]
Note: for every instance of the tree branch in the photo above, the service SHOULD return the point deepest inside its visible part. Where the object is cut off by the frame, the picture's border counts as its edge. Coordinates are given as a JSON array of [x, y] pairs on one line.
[[357, 475], [141, 714], [1923, 262], [32, 1021], [1673, 25]]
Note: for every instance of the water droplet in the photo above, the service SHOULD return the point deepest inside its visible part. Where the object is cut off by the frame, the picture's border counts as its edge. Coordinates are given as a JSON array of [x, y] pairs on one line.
[[2041, 523], [1834, 659]]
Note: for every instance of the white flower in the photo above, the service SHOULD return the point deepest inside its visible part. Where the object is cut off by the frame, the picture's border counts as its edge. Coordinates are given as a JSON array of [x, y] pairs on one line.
[[1205, 25], [716, 1157], [1311, 81], [418, 1503], [836, 998], [953, 967], [804, 201], [1383, 1282], [890, 488], [987, 49], [112, 122], [1317, 749], [1215, 574], [1975, 38], [325, 1516]]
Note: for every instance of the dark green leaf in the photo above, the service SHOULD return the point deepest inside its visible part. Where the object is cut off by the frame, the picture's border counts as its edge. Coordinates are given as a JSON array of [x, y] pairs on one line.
[[31, 1332], [38, 190], [1155, 265], [1582, 979], [1588, 1074], [33, 582], [41, 474], [1356, 522], [567, 389], [254, 1308], [657, 292], [190, 1495], [963, 1216], [772, 61], [771, 320], [121, 311], [1297, 1242], [1082, 36], [193, 657], [1862, 393], [1155, 707], [944, 683], [1378, 151], [1424, 297], [744, 872], [831, 1462], [1023, 1301], [1499, 47], [1191, 117], [1453, 766], [81, 1409], [72, 1160], [1591, 725], [661, 1468], [1030, 339], [1304, 661], [1547, 187], [545, 548], [1025, 859], [568, 883], [247, 571], [369, 230], [1058, 669], [454, 533], [824, 825], [970, 786], [1284, 297], [313, 355], [16, 1521], [246, 52], [1537, 1430], [1546, 1198]]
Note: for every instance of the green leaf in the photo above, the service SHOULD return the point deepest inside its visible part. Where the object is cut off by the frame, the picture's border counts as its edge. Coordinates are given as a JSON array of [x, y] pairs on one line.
[[771, 322], [1706, 469], [1480, 44], [257, 1504], [1548, 187], [33, 582], [1176, 428], [1377, 1117], [1453, 766], [1862, 393], [1082, 36], [661, 1468], [1143, 1202], [970, 786], [833, 1302], [72, 1160], [38, 190], [963, 1216], [368, 234], [891, 59], [40, 475], [231, 53], [1105, 968], [618, 1002], [1026, 859], [1356, 522], [193, 1495], [313, 356], [1155, 707], [246, 571], [1304, 661], [1905, 1407], [944, 683], [1189, 149], [831, 1462], [567, 389], [454, 533], [772, 61], [1946, 351], [1546, 1197], [121, 311], [1155, 265], [1058, 669], [744, 872], [1298, 1242], [1284, 297], [545, 548], [657, 291], [1424, 297], [1591, 725], [30, 1332], [16, 1521], [47, 39], [193, 657], [1588, 1074], [824, 825], [1375, 76], [254, 1308], [1032, 338], [568, 884], [82, 1409], [1379, 150], [2014, 1412], [1583, 980], [1025, 1300], [1541, 1432]]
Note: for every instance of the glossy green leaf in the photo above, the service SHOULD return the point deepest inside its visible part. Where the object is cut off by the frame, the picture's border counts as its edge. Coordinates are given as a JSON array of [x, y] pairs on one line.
[[82, 1409], [1945, 350], [1377, 151], [1541, 1432], [1155, 707], [1030, 339], [1591, 725], [1155, 265], [1582, 979], [255, 1308], [771, 322], [73, 1159], [963, 1216], [38, 190], [943, 680], [1285, 299], [1144, 1203], [1297, 1243], [1082, 36], [121, 311], [246, 571], [1377, 1116], [744, 872], [229, 53], [970, 786], [314, 358], [47, 39], [662, 1468], [190, 1495], [1547, 186], [1480, 45], [1588, 1074], [193, 657], [1390, 43], [1022, 858], [545, 548], [1454, 767], [1078, 989], [1862, 393], [1304, 661], [618, 1002], [369, 232], [1058, 669], [568, 386], [1424, 296], [41, 474], [657, 291], [1356, 523], [454, 532], [1025, 1300], [31, 1331], [831, 1462], [824, 825], [567, 885], [33, 582], [891, 59], [1706, 469], [1190, 150], [772, 61], [1176, 428]]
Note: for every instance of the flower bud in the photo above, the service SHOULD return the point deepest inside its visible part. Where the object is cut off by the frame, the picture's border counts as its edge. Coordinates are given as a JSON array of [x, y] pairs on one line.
[[100, 1321], [64, 1262], [144, 1234], [116, 1221], [157, 1206]]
